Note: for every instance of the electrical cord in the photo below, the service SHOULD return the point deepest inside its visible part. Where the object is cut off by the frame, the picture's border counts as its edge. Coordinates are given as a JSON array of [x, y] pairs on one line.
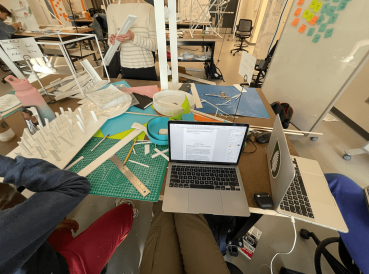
[[293, 247], [252, 142]]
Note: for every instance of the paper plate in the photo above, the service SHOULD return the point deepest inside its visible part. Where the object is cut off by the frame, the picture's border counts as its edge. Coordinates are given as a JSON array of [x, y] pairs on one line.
[[111, 112], [168, 102]]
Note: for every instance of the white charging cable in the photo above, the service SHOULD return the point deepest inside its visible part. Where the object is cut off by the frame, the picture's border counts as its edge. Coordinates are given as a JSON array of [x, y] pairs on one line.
[[293, 247]]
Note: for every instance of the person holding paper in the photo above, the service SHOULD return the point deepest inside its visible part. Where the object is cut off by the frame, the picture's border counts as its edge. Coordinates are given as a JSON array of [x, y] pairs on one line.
[[139, 43], [6, 30]]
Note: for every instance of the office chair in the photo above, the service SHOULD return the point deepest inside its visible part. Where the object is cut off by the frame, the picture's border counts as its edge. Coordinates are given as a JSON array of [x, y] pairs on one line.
[[348, 267], [243, 31]]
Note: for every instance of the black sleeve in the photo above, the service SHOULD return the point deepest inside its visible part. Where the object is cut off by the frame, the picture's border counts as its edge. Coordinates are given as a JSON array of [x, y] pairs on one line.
[[25, 227]]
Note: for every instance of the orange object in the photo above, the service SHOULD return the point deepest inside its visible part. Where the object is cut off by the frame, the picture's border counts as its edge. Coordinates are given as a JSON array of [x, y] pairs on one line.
[[298, 11], [300, 2], [302, 28], [60, 9], [295, 22], [88, 15], [314, 20], [203, 119]]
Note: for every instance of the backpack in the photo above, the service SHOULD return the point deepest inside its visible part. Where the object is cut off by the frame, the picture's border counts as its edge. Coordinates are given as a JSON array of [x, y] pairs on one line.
[[212, 71], [285, 112]]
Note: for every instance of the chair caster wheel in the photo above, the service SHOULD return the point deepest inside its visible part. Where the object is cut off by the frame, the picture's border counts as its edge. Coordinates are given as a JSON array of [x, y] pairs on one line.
[[347, 157], [305, 234], [313, 138]]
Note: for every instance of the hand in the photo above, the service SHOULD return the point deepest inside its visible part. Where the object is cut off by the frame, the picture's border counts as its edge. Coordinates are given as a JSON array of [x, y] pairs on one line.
[[34, 120], [112, 39], [67, 226], [17, 26], [126, 37]]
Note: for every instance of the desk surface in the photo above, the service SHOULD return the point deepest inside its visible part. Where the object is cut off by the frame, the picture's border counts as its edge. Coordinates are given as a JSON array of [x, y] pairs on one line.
[[253, 167], [65, 34]]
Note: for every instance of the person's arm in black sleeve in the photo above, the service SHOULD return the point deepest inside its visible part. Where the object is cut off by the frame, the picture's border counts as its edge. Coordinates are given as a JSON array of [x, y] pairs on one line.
[[9, 29], [26, 226]]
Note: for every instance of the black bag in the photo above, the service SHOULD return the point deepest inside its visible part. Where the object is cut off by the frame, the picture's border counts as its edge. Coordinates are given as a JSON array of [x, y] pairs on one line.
[[212, 72], [285, 112]]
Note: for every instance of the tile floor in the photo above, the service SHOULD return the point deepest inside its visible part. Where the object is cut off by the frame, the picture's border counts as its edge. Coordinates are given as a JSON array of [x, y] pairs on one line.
[[277, 232]]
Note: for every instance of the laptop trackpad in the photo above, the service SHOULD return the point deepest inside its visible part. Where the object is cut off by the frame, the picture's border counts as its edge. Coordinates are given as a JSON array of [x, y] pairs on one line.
[[317, 188], [205, 201]]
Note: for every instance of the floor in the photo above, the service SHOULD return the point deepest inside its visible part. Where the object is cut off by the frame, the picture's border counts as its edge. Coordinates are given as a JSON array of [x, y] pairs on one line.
[[277, 232]]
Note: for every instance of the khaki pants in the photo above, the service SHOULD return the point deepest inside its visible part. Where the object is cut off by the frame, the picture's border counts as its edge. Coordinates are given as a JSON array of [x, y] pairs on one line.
[[181, 243]]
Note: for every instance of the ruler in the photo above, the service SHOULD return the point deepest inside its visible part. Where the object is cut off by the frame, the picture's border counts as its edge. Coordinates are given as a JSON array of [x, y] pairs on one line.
[[130, 176]]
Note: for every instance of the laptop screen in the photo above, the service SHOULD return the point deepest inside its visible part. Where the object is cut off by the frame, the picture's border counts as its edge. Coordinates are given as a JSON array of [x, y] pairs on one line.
[[212, 143]]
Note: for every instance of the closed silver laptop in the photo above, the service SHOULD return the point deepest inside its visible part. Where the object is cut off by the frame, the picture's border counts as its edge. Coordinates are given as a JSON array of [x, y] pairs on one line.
[[299, 188], [203, 176]]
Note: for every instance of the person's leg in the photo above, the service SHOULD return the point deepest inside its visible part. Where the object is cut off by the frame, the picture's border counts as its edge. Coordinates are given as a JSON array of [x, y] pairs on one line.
[[200, 252], [139, 74], [161, 253], [89, 252]]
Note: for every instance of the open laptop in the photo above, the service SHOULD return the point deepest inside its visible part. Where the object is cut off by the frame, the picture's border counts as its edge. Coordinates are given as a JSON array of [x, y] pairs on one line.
[[203, 176], [299, 188]]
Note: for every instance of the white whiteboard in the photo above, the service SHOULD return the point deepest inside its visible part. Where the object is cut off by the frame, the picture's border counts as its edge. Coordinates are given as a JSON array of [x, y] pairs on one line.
[[311, 76], [268, 28]]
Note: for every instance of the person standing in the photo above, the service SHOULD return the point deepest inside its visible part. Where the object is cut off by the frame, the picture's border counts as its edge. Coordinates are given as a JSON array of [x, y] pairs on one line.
[[139, 43], [6, 30]]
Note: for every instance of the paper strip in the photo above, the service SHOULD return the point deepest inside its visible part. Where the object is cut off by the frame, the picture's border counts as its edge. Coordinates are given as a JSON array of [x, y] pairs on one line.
[[74, 163], [39, 143], [147, 149], [42, 154], [138, 163], [25, 149], [54, 146], [161, 153], [56, 156], [81, 127], [65, 140]]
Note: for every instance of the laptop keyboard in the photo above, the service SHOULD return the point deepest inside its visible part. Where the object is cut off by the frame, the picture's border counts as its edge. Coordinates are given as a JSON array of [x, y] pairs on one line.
[[296, 200], [216, 178]]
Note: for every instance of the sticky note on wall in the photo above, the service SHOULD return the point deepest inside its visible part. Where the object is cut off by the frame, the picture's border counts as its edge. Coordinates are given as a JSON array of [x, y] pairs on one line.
[[325, 8], [322, 27], [342, 5], [300, 2], [309, 17], [297, 12], [336, 1], [305, 14], [295, 22], [313, 20], [333, 19], [311, 32], [313, 4], [328, 33], [302, 28], [316, 38], [331, 10], [321, 19], [318, 6]]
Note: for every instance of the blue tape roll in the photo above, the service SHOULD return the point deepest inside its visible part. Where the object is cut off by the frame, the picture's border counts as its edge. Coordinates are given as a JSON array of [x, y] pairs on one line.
[[153, 128]]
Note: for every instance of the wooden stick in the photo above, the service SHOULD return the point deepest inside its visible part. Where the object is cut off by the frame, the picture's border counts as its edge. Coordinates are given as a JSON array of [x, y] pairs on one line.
[[290, 133], [142, 114], [287, 130], [129, 153]]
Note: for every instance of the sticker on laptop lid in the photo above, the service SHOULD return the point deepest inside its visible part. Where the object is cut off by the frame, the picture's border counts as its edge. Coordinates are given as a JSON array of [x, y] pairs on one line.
[[275, 160]]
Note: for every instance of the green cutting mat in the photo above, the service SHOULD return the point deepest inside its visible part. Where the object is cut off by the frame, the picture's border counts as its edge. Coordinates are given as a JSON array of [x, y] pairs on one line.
[[107, 180]]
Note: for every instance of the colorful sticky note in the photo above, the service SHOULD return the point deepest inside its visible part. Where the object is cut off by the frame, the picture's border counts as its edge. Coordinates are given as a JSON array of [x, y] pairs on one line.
[[323, 27], [331, 10], [321, 19], [300, 2], [333, 19], [297, 12], [316, 38], [305, 14], [313, 20], [328, 33], [313, 4], [342, 5], [318, 6], [325, 8], [302, 29], [336, 1], [295, 22], [311, 31], [309, 17]]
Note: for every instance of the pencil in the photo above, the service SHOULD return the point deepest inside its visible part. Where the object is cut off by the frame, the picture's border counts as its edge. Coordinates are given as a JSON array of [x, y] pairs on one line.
[[100, 142], [129, 153]]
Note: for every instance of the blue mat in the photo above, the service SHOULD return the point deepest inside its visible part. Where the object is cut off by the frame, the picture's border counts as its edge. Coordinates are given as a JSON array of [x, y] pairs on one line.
[[250, 105]]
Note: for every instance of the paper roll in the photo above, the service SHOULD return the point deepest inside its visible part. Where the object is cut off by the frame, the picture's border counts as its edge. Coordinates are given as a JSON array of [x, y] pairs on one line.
[[169, 102]]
